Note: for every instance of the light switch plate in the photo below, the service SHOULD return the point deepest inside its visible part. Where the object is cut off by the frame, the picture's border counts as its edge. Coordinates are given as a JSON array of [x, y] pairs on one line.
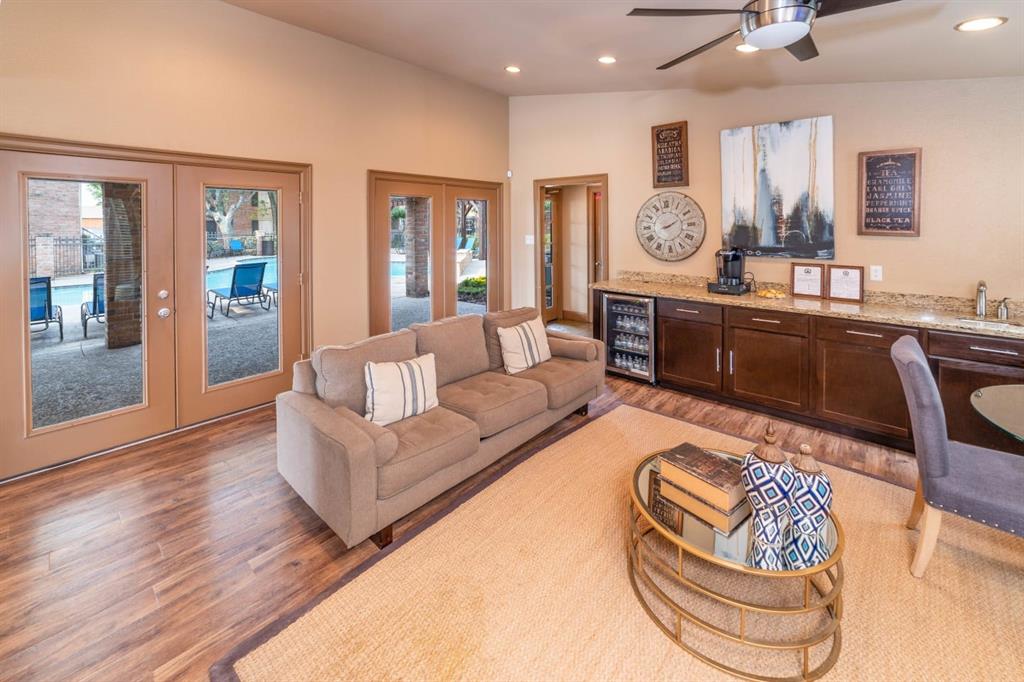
[[876, 273], [529, 240]]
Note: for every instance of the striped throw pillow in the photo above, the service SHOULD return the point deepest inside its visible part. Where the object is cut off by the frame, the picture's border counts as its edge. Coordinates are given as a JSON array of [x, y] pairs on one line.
[[524, 345], [398, 390]]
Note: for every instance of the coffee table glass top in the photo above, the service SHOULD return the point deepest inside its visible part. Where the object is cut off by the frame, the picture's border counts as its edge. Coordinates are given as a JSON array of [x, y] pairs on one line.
[[699, 536], [1003, 406]]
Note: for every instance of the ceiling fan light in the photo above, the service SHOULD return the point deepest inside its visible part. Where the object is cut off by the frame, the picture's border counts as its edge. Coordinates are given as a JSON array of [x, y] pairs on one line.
[[774, 36]]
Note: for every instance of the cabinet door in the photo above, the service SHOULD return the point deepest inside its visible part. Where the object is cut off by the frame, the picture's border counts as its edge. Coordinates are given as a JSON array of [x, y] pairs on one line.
[[767, 368], [957, 379], [858, 385], [689, 354]]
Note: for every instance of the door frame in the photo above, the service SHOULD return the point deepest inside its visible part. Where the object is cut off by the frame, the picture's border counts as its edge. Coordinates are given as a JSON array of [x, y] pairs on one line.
[[64, 147], [599, 261], [379, 305]]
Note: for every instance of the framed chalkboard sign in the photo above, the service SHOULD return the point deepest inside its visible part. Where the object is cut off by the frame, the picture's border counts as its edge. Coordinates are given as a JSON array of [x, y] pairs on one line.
[[670, 155], [890, 193]]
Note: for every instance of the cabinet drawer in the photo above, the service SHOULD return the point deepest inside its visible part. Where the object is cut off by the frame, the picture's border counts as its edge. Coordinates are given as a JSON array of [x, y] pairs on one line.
[[998, 351], [688, 310], [861, 333], [769, 321]]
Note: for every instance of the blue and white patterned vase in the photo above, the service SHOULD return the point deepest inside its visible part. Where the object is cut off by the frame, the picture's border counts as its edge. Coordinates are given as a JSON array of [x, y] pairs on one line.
[[769, 480], [811, 501]]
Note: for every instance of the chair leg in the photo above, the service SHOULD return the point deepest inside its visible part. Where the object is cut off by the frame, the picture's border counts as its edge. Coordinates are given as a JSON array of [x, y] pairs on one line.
[[915, 511], [926, 543]]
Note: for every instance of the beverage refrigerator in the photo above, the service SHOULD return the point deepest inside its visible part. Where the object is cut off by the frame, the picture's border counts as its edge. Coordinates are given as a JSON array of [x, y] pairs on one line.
[[629, 335]]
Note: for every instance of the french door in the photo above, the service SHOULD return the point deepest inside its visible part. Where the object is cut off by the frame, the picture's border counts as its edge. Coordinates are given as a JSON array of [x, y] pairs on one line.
[[138, 297], [435, 249], [551, 256]]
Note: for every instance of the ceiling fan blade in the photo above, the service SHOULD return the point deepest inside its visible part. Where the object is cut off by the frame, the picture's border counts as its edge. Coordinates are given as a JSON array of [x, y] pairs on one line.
[[642, 12], [693, 53], [803, 49], [829, 7]]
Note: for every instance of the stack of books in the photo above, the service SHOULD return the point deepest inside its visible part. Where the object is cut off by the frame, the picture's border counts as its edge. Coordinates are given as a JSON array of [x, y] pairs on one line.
[[705, 485]]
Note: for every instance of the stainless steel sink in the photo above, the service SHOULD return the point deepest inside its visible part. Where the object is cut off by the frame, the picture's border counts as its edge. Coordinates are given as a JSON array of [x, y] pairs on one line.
[[989, 324]]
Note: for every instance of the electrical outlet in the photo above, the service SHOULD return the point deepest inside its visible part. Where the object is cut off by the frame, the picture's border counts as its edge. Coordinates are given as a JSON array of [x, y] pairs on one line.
[[529, 240], [876, 273]]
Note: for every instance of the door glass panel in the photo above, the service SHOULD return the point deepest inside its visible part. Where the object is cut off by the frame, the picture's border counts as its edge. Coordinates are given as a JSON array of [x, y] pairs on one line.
[[242, 335], [471, 255], [86, 313], [548, 246], [411, 263]]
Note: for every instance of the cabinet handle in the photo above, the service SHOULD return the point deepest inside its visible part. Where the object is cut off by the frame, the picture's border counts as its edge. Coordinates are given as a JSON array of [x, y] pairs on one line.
[[688, 310], [999, 351], [730, 362], [718, 360], [765, 319], [871, 334]]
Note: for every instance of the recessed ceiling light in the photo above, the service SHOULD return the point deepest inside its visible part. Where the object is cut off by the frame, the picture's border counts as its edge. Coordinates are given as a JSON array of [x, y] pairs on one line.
[[607, 59], [512, 69], [980, 24], [743, 47]]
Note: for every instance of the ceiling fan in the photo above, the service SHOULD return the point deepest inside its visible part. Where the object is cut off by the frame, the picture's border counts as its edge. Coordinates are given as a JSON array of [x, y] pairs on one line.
[[768, 24]]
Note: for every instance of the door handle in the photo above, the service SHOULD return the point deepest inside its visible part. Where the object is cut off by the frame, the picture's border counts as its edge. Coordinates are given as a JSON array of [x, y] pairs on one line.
[[718, 360], [765, 319], [163, 312], [730, 362], [857, 333], [688, 310], [999, 351]]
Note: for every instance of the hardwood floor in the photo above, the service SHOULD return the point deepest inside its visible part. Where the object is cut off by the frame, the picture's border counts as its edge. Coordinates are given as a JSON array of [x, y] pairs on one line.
[[152, 563]]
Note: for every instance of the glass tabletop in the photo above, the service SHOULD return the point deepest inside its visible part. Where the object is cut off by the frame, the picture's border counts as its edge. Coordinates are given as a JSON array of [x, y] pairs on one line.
[[734, 547], [1003, 406]]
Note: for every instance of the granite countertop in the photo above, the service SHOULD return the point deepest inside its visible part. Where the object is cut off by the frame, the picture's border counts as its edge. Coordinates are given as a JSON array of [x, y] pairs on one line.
[[929, 312]]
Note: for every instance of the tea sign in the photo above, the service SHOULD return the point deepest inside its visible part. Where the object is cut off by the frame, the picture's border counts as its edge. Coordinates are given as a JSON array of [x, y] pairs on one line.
[[890, 193]]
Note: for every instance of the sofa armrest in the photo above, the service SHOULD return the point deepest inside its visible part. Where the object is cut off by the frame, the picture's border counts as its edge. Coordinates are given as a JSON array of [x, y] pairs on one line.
[[575, 347], [330, 462]]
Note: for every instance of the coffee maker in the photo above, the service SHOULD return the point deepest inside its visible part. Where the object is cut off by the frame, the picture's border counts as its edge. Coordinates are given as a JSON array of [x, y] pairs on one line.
[[731, 270]]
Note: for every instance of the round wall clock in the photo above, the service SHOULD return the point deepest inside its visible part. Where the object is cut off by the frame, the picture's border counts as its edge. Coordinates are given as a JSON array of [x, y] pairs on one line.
[[670, 226]]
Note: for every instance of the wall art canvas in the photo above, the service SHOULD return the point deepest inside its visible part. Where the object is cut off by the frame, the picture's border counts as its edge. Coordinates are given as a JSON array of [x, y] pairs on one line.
[[777, 189]]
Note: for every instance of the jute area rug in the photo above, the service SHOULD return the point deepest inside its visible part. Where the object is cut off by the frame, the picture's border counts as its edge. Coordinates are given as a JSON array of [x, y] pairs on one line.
[[527, 580]]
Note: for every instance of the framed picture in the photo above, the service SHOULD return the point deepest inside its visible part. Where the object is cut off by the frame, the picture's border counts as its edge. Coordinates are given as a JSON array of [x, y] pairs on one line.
[[670, 155], [778, 194], [889, 188], [807, 279], [845, 283]]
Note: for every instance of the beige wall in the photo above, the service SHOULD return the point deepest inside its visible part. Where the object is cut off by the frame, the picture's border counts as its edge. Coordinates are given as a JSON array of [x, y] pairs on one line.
[[971, 132], [574, 249], [204, 76]]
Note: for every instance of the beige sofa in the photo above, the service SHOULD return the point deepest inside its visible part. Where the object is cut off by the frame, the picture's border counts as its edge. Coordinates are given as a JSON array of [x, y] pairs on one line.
[[360, 477]]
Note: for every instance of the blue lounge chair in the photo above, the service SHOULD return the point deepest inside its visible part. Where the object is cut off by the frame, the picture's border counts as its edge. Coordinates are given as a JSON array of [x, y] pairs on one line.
[[271, 292], [236, 246], [246, 288], [40, 306], [470, 241], [96, 309]]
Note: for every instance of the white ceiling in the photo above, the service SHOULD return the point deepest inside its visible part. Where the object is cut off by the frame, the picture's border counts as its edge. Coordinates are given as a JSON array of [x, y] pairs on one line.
[[556, 43]]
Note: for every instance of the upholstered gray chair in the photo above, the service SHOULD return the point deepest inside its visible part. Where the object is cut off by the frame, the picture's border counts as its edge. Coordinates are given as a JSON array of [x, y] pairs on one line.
[[983, 485]]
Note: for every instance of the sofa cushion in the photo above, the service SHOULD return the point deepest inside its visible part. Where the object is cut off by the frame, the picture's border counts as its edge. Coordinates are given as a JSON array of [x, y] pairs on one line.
[[427, 443], [458, 345], [340, 378], [581, 349], [494, 401], [399, 390], [564, 379], [385, 442], [500, 320]]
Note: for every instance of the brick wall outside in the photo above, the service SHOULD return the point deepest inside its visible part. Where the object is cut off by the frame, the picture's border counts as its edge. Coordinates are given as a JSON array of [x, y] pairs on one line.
[[54, 208], [417, 247], [122, 215]]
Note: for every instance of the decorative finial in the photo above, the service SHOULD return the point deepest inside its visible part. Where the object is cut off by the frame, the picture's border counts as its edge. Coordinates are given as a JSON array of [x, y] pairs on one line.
[[805, 462], [769, 451]]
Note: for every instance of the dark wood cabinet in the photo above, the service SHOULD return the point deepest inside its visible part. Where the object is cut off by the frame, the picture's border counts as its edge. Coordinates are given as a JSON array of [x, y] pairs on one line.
[[957, 379], [689, 353], [768, 368]]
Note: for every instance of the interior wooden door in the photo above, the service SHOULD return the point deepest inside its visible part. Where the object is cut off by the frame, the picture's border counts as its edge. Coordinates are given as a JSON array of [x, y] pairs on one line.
[[551, 257], [86, 292], [238, 273], [473, 251], [407, 254]]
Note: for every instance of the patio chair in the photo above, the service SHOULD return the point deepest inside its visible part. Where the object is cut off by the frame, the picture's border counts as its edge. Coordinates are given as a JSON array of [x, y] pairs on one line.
[[40, 307], [271, 291], [470, 241], [236, 246], [246, 289], [96, 309]]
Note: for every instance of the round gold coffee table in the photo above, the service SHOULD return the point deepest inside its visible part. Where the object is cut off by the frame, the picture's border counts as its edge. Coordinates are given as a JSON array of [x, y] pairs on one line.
[[696, 584]]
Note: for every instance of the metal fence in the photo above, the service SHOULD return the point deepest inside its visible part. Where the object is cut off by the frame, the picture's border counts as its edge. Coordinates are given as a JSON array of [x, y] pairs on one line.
[[67, 255]]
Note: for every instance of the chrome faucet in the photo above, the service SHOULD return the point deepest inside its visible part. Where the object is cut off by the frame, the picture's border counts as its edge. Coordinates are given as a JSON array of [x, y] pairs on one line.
[[980, 304]]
